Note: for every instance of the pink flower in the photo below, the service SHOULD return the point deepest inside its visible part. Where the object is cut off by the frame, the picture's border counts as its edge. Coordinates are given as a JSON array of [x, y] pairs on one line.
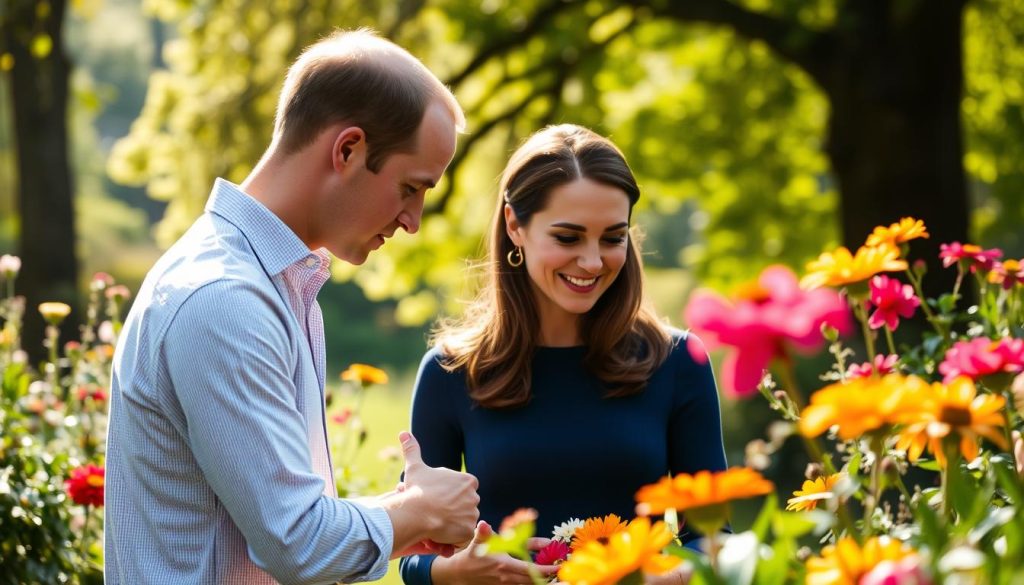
[[975, 256], [555, 552], [1007, 273], [343, 416], [762, 322], [881, 365], [893, 300], [981, 357], [91, 391], [906, 571]]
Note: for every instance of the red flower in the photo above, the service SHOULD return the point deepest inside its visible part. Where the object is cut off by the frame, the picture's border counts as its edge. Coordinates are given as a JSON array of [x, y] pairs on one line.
[[343, 416], [893, 300], [761, 321], [981, 356], [85, 486], [975, 256], [94, 392], [882, 365], [555, 552]]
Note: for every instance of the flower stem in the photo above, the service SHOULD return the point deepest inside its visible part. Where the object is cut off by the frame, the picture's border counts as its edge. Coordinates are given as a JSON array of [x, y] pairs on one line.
[[916, 283], [85, 533], [889, 340], [949, 446], [869, 339], [878, 448]]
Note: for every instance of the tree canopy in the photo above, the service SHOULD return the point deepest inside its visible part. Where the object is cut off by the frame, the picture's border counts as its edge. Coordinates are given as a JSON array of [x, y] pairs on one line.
[[727, 107]]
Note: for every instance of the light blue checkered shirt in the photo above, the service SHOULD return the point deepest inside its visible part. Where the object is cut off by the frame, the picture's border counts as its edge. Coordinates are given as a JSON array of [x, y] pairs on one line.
[[218, 470]]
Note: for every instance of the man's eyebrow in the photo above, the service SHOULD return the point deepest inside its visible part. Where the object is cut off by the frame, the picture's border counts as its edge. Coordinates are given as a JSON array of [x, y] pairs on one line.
[[424, 182], [579, 228]]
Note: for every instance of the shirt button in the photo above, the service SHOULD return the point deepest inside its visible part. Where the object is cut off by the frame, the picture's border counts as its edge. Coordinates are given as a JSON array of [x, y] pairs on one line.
[[311, 262]]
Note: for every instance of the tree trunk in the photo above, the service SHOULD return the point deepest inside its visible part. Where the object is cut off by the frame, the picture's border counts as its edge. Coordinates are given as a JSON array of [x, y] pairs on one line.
[[39, 88], [894, 133]]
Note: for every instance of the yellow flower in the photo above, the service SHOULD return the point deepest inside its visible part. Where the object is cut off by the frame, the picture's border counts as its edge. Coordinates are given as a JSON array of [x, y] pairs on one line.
[[598, 529], [841, 268], [954, 408], [704, 488], [364, 374], [846, 562], [905, 230], [638, 548], [807, 497], [54, 313], [862, 404]]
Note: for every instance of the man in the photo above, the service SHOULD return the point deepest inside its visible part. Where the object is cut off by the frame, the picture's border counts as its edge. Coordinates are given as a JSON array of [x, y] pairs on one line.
[[218, 469]]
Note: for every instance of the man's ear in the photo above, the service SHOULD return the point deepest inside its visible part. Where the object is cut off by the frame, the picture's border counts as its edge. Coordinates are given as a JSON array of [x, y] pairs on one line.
[[349, 148], [512, 225]]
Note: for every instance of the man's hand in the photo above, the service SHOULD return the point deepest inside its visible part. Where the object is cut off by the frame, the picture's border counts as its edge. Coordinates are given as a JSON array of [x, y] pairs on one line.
[[433, 507]]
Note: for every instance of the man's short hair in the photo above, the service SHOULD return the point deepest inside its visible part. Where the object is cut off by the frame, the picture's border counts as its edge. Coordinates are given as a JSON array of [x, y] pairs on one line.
[[363, 80]]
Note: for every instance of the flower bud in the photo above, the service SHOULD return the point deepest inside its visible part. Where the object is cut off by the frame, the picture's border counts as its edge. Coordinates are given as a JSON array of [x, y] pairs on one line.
[[9, 266], [54, 313], [814, 470]]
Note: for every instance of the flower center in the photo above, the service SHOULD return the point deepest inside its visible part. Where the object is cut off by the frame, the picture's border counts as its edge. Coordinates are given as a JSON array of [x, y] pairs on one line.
[[955, 416]]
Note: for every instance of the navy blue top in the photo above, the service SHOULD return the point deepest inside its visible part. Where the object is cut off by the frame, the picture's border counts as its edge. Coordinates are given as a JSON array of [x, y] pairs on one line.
[[570, 452]]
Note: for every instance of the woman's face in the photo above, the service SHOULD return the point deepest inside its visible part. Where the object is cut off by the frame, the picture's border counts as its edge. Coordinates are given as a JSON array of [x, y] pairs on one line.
[[574, 248]]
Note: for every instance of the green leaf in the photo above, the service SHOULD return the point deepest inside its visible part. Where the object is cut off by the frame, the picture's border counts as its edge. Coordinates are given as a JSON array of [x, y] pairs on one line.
[[764, 518], [793, 524]]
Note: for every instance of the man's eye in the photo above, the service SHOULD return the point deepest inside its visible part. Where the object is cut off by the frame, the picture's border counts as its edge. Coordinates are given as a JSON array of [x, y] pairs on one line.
[[411, 190]]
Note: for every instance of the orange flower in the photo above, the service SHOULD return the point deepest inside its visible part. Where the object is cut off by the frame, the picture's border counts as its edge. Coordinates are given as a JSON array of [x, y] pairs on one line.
[[704, 488], [365, 375], [905, 230], [807, 497], [598, 529], [956, 409], [637, 549], [85, 486], [862, 404], [845, 563], [840, 268]]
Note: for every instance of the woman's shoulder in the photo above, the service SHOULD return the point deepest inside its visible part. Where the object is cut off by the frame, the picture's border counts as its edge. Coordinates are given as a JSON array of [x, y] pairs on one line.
[[685, 348]]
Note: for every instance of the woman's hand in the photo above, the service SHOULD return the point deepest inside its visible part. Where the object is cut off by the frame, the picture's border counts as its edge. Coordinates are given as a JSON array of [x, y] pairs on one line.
[[677, 576], [467, 567]]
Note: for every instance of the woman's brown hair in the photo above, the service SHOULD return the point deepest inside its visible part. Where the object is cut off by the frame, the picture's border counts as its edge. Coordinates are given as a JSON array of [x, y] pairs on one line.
[[495, 340]]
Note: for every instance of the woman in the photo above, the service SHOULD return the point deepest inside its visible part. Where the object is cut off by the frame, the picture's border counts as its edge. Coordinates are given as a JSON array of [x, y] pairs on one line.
[[559, 387]]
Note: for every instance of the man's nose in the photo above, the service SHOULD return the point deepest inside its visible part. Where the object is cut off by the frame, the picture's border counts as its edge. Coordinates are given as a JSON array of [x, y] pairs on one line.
[[410, 217]]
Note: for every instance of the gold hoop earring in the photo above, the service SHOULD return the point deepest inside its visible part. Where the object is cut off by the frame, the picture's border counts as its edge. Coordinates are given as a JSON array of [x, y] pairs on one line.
[[515, 257]]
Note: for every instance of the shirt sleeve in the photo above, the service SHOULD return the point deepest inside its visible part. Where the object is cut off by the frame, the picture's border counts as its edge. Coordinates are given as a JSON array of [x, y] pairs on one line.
[[435, 426], [695, 425], [229, 358]]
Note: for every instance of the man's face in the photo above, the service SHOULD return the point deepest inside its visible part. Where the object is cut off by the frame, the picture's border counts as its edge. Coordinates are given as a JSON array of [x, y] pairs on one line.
[[370, 207]]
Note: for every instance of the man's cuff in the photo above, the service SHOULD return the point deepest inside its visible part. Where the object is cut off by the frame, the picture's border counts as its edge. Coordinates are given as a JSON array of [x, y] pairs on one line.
[[378, 525]]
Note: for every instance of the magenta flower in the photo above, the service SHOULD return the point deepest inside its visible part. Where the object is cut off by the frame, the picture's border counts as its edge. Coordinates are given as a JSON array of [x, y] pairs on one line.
[[762, 322], [981, 357], [555, 552], [906, 571], [893, 300], [975, 256], [881, 365]]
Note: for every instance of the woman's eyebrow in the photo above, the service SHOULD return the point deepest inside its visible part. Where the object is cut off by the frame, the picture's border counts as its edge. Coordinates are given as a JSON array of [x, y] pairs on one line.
[[579, 228]]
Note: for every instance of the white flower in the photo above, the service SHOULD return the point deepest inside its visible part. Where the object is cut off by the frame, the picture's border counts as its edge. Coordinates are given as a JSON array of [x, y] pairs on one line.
[[566, 530], [9, 265], [106, 332]]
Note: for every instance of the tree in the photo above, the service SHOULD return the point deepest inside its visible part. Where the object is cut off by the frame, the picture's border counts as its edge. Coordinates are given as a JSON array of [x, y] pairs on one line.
[[787, 122], [38, 72]]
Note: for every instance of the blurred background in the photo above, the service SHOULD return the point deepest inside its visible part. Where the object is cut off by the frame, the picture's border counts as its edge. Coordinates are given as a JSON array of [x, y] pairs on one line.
[[761, 131]]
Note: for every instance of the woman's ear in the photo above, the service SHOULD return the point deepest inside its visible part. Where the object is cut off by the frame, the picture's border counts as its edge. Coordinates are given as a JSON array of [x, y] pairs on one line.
[[512, 226], [349, 148]]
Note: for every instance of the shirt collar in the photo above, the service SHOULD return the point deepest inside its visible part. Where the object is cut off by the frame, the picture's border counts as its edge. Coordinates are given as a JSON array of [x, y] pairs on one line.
[[275, 244]]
